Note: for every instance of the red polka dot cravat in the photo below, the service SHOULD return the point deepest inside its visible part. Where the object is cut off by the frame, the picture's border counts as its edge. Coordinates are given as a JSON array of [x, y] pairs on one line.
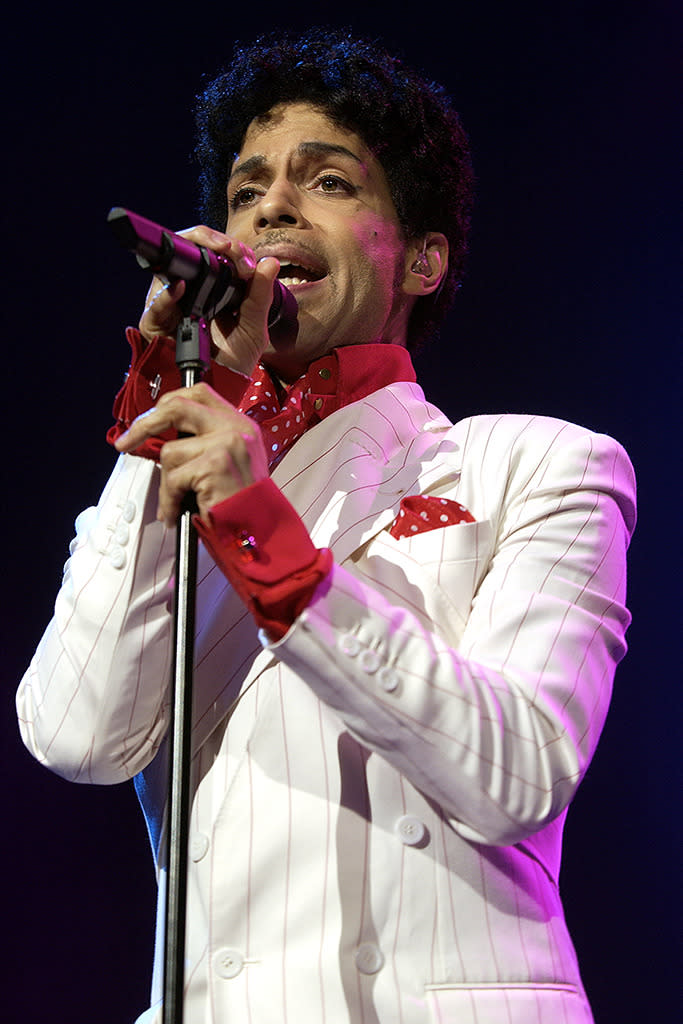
[[284, 414], [419, 513]]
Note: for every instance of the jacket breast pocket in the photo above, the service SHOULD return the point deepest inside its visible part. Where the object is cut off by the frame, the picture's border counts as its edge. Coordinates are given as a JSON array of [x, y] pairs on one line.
[[539, 1003], [461, 542], [434, 574]]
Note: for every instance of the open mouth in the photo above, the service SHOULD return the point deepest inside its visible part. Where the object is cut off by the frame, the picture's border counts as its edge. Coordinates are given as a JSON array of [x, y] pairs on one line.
[[291, 274]]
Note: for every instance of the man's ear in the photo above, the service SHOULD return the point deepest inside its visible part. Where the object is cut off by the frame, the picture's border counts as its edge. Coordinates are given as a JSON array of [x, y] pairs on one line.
[[426, 264]]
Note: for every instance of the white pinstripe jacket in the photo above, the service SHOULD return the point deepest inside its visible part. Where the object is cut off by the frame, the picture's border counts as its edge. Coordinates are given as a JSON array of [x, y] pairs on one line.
[[379, 797]]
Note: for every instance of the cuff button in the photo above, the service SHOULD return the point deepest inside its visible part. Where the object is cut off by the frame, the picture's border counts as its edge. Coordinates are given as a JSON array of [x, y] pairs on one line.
[[388, 679], [370, 661], [349, 644], [246, 545]]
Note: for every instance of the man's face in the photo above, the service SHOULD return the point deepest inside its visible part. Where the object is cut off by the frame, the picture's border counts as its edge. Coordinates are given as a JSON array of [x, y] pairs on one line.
[[311, 193]]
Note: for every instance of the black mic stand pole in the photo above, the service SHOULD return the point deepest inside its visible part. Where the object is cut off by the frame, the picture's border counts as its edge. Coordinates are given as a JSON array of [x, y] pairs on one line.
[[192, 357], [206, 294]]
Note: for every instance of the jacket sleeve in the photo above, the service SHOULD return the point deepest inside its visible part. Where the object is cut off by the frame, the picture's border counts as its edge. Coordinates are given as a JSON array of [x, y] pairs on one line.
[[499, 727], [93, 703]]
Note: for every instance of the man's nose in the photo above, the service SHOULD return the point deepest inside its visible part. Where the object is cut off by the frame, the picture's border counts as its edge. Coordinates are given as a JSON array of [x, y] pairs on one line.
[[278, 206]]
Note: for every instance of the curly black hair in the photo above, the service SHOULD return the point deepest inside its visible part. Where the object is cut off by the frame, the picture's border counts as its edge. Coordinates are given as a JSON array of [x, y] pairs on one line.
[[405, 120]]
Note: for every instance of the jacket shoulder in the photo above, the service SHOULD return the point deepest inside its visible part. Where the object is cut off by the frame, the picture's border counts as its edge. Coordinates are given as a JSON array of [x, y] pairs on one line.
[[528, 430], [527, 451]]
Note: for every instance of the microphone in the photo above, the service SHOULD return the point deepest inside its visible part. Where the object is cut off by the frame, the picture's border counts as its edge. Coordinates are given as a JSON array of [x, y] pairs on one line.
[[212, 281]]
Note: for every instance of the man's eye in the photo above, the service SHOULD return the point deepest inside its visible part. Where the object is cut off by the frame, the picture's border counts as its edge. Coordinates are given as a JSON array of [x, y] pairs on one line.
[[332, 183], [243, 197]]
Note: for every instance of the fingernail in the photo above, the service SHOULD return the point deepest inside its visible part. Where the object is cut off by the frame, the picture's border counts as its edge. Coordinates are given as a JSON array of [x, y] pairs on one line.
[[270, 259]]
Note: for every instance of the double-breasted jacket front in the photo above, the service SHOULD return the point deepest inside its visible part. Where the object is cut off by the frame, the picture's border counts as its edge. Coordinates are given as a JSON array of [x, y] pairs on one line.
[[378, 798]]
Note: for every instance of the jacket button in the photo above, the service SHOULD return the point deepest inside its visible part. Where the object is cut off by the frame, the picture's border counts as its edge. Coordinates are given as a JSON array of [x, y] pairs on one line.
[[198, 846], [128, 511], [369, 958], [121, 534], [228, 963], [117, 557], [410, 830], [388, 679]]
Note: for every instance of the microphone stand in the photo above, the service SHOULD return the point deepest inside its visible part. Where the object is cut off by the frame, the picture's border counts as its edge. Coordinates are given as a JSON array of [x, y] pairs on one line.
[[192, 357], [210, 286]]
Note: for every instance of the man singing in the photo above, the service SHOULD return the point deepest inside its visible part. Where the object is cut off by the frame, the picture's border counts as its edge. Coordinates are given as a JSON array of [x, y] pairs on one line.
[[407, 630]]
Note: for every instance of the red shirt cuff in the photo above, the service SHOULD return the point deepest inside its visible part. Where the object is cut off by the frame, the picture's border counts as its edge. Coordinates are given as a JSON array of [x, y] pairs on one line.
[[151, 374], [260, 543]]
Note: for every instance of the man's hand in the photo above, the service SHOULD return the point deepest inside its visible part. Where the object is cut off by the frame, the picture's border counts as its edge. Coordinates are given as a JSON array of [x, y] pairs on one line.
[[225, 453], [240, 337]]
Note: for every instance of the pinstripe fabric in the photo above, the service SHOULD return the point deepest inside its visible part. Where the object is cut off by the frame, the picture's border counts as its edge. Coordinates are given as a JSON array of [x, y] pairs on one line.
[[379, 797]]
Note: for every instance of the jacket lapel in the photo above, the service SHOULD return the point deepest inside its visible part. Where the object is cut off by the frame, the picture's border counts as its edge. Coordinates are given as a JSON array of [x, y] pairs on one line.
[[346, 478]]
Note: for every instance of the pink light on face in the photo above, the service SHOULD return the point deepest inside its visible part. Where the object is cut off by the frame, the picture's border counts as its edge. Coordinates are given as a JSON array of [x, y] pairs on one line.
[[311, 194]]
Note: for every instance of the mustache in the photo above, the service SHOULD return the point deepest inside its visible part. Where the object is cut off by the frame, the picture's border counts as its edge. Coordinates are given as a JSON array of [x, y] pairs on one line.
[[281, 236]]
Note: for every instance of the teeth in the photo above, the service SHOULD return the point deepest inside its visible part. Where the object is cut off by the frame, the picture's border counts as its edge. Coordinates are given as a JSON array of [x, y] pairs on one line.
[[289, 274]]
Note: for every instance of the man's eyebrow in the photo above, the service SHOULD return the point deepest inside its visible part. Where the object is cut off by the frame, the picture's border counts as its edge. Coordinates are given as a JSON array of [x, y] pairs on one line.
[[258, 161], [254, 163], [327, 149]]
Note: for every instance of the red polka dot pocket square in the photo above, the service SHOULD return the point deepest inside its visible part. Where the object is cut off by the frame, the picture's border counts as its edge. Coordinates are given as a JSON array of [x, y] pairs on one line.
[[419, 513]]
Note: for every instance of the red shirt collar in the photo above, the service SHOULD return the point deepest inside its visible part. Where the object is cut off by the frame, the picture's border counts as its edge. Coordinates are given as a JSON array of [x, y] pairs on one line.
[[352, 372]]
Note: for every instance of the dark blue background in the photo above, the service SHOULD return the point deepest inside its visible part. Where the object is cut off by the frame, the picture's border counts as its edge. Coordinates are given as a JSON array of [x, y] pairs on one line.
[[570, 309]]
